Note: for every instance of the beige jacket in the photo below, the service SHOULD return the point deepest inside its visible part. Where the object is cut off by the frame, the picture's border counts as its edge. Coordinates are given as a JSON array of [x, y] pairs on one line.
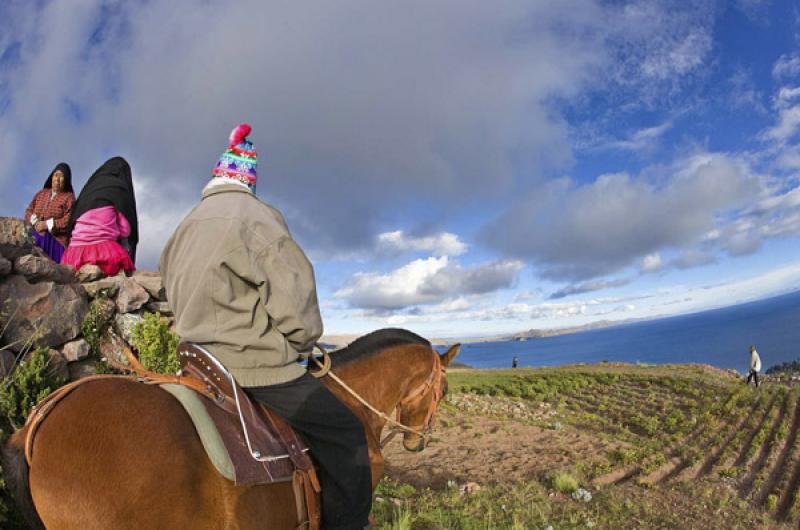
[[241, 287]]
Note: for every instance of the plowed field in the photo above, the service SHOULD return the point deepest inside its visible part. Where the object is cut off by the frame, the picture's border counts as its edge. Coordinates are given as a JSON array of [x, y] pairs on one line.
[[658, 447]]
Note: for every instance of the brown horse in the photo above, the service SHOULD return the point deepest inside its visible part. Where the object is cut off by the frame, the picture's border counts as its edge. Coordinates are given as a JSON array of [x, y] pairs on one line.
[[118, 454]]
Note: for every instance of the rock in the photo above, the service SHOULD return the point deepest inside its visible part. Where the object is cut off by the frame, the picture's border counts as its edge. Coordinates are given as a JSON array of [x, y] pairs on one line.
[[81, 369], [151, 281], [89, 273], [163, 308], [581, 494], [5, 266], [50, 311], [37, 269], [7, 359], [124, 323], [131, 296], [107, 309], [15, 238], [108, 286], [75, 350], [111, 350]]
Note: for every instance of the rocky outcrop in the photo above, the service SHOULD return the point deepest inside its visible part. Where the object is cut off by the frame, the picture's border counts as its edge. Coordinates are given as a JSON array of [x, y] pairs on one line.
[[39, 269], [44, 304], [15, 238], [41, 314]]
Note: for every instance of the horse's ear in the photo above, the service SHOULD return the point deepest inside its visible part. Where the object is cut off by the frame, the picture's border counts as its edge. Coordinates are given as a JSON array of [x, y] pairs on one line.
[[448, 356]]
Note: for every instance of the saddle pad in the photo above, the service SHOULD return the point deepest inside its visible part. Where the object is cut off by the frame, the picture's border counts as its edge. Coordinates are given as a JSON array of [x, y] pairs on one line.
[[209, 435]]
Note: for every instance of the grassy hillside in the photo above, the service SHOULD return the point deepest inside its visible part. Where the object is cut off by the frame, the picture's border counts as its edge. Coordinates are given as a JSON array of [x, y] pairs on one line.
[[603, 446]]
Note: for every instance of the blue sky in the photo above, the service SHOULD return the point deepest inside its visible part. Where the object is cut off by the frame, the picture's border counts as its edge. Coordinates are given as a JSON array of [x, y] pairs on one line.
[[459, 168]]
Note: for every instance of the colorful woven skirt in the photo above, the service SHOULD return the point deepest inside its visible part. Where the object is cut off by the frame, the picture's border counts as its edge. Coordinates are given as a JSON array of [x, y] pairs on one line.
[[108, 255], [50, 245]]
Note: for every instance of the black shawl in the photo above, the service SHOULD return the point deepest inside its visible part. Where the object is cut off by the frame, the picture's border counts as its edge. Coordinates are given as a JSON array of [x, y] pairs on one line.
[[111, 185], [64, 167]]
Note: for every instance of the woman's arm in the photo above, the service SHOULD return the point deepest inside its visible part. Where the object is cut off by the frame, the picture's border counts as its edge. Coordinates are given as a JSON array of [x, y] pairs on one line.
[[61, 224]]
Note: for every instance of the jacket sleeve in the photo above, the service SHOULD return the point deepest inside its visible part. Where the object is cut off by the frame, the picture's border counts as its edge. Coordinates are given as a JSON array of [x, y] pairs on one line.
[[31, 206], [290, 293], [62, 223]]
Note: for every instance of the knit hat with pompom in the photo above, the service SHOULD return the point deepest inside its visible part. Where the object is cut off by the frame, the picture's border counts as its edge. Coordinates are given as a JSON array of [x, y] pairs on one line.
[[239, 161]]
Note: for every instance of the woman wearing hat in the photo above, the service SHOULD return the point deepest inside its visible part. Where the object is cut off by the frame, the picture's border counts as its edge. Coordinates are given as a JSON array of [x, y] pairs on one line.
[[106, 227], [49, 212]]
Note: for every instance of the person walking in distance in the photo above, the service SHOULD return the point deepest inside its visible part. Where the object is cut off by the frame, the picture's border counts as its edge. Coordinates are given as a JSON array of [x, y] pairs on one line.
[[755, 366]]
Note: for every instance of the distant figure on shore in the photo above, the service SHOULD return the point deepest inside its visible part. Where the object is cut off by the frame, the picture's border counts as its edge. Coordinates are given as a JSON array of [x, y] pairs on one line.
[[105, 225], [50, 210], [514, 362], [755, 366]]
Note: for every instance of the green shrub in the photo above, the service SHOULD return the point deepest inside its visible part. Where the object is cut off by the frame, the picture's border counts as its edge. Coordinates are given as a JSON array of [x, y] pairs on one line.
[[156, 343], [772, 501], [28, 384], [564, 483]]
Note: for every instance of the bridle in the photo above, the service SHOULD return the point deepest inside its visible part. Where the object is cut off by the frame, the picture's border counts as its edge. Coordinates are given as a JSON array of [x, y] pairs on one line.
[[433, 384]]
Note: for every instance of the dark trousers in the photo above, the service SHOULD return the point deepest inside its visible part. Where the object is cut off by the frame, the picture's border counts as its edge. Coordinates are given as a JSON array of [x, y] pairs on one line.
[[752, 375], [337, 442]]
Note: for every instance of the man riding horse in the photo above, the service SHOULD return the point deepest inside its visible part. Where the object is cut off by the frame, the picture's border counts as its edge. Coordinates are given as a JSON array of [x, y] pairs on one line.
[[242, 288]]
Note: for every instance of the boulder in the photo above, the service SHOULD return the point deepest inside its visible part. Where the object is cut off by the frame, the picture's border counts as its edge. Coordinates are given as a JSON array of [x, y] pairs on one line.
[[5, 266], [108, 286], [75, 350], [131, 296], [111, 350], [151, 281], [163, 308], [124, 323], [7, 359], [81, 369], [89, 273], [37, 269], [46, 313], [15, 238]]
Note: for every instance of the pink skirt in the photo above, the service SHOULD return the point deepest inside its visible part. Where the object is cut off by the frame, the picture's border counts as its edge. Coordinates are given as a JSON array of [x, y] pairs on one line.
[[108, 255]]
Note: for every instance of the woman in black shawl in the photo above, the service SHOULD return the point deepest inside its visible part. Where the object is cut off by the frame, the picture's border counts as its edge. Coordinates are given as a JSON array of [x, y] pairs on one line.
[[49, 212], [105, 225]]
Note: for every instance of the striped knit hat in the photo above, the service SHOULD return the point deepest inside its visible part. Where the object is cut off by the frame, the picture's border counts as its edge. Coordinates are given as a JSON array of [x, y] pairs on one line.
[[239, 161]]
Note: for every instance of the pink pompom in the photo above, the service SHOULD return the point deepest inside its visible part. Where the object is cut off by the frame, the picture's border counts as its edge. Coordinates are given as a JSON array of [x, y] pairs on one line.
[[239, 134]]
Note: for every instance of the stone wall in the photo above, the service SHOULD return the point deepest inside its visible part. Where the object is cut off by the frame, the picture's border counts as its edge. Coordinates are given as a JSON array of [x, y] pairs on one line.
[[43, 304]]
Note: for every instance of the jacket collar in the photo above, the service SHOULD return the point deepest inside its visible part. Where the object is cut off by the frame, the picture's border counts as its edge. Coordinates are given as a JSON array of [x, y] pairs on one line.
[[226, 188]]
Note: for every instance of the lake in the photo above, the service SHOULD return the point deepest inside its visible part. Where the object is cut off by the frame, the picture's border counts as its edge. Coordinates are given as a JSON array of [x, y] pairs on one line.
[[719, 337]]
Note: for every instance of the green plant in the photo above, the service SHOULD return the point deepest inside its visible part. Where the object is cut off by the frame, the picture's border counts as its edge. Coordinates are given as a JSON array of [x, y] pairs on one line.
[[95, 324], [156, 343], [28, 384], [772, 501], [564, 483]]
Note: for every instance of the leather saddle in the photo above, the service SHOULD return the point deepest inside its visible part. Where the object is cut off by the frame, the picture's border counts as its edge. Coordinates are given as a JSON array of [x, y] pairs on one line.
[[262, 446]]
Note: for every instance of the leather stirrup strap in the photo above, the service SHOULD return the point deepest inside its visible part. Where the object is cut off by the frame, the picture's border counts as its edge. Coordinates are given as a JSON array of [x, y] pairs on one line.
[[306, 495]]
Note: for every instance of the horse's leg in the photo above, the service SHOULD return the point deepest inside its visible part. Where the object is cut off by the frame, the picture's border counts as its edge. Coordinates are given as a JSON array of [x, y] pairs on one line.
[[122, 455]]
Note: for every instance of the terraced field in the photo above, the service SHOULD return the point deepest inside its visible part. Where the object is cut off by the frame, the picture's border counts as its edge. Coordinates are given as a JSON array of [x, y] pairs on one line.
[[691, 443]]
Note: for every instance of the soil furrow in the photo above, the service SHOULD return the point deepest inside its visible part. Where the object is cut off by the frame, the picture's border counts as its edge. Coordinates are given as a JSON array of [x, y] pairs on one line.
[[767, 447], [779, 467], [717, 452], [748, 442]]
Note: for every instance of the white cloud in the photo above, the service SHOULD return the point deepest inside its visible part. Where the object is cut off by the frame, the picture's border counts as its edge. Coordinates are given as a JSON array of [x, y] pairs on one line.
[[787, 65], [441, 244], [607, 225], [642, 138], [426, 281], [651, 263], [787, 126], [587, 287]]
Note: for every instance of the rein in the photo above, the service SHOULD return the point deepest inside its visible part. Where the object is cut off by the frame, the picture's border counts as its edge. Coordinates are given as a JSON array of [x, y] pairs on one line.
[[433, 381]]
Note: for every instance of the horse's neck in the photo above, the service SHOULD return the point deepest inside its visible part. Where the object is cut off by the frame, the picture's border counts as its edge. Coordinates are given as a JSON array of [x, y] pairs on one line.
[[381, 381]]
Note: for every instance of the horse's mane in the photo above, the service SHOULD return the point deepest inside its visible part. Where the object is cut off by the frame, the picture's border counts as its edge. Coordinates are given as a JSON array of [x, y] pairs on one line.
[[374, 342]]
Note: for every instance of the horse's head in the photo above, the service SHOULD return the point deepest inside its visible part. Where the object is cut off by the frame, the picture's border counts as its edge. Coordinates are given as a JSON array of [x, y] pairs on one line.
[[418, 407]]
